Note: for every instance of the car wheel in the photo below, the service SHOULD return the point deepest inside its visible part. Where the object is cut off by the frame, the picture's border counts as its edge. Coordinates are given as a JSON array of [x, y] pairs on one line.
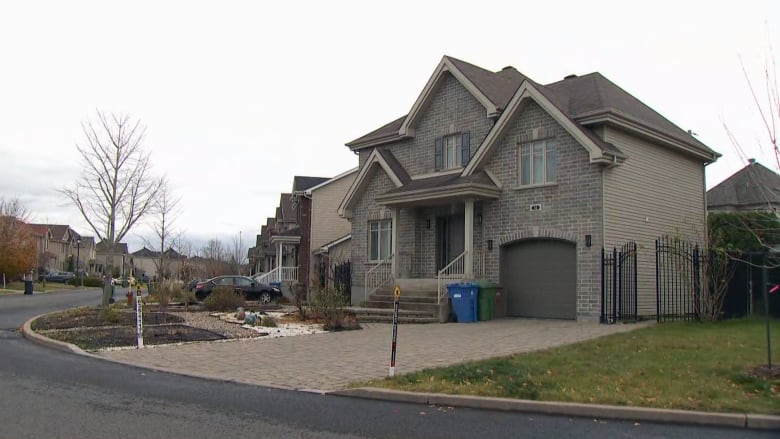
[[265, 297]]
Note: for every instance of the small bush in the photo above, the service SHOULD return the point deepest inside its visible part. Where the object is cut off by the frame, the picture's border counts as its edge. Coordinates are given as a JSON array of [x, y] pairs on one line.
[[224, 298], [165, 291], [187, 297], [328, 306], [268, 321]]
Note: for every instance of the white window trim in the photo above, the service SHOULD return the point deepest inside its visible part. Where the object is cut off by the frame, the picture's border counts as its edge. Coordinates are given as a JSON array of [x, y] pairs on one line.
[[545, 143], [456, 138], [389, 230]]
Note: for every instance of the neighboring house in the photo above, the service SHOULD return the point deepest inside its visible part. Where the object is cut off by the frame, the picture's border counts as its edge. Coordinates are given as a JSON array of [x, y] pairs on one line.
[[330, 233], [42, 235], [121, 259], [146, 262], [61, 253], [753, 188], [494, 176], [262, 255], [84, 252]]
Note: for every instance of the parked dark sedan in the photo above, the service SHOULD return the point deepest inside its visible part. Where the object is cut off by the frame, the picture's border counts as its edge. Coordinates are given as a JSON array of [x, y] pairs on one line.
[[59, 276], [252, 289]]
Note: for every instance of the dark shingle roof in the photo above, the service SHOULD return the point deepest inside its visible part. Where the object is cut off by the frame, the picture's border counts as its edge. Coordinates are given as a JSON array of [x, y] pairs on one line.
[[287, 213], [594, 92], [395, 165], [574, 96], [443, 181], [753, 185], [301, 183], [120, 248]]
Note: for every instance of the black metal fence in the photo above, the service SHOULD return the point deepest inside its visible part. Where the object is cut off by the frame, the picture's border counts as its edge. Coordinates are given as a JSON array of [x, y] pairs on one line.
[[619, 284], [342, 278], [678, 271], [745, 294]]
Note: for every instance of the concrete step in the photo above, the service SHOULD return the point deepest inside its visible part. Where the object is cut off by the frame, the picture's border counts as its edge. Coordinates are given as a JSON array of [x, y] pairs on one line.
[[428, 307], [404, 299], [385, 315]]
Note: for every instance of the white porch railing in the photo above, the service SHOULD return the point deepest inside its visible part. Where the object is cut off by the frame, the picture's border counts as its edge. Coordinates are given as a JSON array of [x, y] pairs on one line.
[[453, 270], [279, 274], [378, 275]]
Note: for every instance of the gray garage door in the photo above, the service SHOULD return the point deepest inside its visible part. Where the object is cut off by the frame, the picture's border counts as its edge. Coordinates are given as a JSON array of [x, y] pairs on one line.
[[540, 279]]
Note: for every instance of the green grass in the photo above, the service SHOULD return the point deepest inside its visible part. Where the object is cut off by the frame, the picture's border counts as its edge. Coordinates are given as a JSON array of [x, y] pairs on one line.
[[693, 366], [18, 287]]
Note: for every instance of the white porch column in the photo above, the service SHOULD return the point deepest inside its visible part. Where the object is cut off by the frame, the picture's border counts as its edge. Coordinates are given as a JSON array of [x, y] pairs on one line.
[[279, 262], [468, 242], [394, 245]]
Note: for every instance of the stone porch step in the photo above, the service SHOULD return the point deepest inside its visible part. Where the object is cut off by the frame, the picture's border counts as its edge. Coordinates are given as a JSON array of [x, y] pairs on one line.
[[384, 315], [404, 299], [431, 307]]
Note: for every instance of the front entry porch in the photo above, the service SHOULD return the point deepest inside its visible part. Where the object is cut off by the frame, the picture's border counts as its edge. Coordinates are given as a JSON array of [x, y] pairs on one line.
[[432, 246]]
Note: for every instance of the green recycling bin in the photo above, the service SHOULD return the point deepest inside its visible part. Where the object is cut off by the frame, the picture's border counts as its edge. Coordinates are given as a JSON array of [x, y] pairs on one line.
[[485, 300]]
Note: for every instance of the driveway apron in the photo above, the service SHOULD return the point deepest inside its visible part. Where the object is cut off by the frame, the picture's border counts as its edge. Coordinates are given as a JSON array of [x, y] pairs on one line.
[[333, 361]]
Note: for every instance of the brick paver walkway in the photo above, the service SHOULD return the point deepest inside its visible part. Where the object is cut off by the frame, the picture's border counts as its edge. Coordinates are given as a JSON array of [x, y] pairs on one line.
[[332, 361]]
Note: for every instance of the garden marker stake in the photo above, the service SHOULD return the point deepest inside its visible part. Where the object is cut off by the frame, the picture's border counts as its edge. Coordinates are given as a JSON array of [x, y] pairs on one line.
[[397, 294], [139, 329]]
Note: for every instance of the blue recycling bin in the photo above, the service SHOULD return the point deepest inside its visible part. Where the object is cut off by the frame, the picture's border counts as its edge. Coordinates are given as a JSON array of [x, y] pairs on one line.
[[464, 301]]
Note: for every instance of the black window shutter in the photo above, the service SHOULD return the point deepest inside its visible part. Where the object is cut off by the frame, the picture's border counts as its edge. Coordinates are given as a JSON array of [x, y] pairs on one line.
[[438, 154], [465, 148]]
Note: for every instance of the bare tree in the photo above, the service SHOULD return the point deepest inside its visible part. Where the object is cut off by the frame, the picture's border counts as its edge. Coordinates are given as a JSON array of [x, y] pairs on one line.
[[165, 210], [215, 256], [116, 187], [238, 252]]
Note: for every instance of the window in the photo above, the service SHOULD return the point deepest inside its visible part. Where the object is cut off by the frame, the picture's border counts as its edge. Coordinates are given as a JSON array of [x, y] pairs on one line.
[[452, 151], [379, 239], [538, 163]]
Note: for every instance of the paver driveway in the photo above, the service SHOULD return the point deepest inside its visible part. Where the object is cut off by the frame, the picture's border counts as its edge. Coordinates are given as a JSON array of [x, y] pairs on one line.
[[332, 361]]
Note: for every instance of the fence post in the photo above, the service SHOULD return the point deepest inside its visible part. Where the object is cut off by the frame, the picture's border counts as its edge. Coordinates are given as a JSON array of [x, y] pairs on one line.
[[697, 282], [657, 286], [603, 290], [636, 279]]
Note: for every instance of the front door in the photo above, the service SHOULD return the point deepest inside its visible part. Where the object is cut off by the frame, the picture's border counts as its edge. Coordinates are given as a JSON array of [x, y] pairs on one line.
[[450, 239]]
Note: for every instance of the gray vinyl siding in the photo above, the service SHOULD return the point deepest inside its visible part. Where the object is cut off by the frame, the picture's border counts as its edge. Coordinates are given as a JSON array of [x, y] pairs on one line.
[[656, 191]]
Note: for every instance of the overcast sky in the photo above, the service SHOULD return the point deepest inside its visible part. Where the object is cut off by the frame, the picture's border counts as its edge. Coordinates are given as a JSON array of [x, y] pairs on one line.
[[239, 97]]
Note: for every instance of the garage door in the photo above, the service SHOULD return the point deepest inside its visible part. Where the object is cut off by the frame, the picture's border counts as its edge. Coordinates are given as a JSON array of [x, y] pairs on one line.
[[540, 279]]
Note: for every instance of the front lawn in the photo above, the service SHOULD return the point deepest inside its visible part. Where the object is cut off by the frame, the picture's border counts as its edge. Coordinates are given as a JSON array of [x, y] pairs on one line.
[[693, 366]]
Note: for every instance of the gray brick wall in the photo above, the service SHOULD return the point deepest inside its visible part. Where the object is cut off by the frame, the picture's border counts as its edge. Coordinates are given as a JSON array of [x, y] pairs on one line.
[[367, 209], [453, 109], [571, 209]]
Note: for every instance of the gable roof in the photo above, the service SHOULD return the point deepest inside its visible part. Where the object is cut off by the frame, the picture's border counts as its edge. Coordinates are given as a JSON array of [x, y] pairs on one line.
[[385, 160], [119, 249], [753, 185], [285, 211], [584, 100], [332, 180], [301, 183]]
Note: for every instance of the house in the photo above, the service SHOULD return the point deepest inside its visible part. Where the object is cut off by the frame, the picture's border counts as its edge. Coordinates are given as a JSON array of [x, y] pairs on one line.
[[494, 176], [753, 188], [146, 262], [42, 235], [329, 233], [59, 246], [85, 254], [121, 259]]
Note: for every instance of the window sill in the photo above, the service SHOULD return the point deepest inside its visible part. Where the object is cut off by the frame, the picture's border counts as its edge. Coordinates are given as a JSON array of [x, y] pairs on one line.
[[534, 186]]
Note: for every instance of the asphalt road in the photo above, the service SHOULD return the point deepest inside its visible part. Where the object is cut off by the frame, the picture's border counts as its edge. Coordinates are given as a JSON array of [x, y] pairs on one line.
[[49, 393]]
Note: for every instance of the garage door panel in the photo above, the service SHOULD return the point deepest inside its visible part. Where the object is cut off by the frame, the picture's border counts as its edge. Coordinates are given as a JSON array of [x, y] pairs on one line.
[[539, 279]]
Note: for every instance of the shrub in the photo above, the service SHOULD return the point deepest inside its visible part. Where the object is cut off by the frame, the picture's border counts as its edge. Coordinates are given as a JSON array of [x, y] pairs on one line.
[[328, 306], [165, 291], [268, 321], [224, 298]]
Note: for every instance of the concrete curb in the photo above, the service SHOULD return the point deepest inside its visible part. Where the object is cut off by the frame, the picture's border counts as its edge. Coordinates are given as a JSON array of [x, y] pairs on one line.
[[733, 420], [33, 336]]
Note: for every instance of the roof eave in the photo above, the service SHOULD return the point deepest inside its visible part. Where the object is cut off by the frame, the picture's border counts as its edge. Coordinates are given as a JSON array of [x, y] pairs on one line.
[[610, 117], [418, 196]]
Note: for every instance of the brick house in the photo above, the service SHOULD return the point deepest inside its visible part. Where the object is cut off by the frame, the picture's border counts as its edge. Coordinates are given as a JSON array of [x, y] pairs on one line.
[[494, 176]]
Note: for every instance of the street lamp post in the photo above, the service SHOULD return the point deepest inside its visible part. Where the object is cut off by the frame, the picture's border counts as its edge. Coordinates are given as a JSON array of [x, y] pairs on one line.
[[78, 261]]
